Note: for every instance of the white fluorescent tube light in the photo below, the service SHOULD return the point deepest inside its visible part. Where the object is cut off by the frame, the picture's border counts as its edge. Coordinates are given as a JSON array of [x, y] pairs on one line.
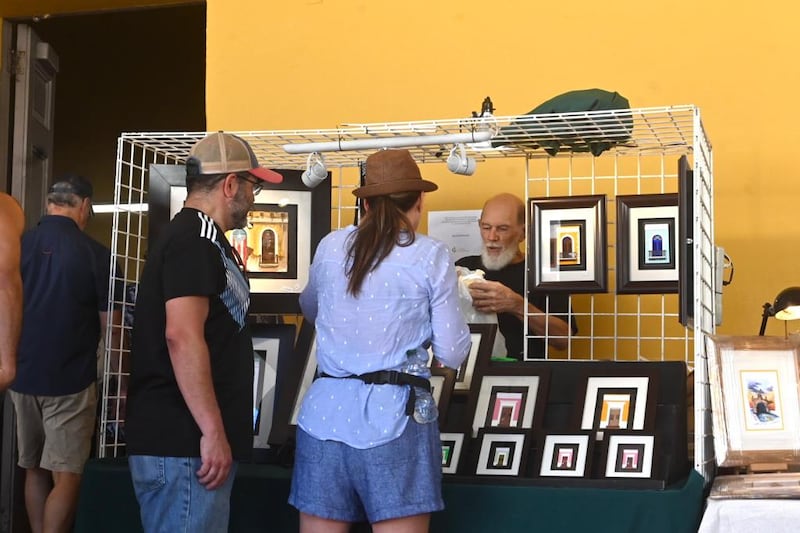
[[377, 143], [122, 208]]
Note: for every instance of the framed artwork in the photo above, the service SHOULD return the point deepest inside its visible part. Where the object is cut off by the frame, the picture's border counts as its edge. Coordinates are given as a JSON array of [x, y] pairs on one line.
[[629, 455], [566, 455], [754, 399], [501, 452], [568, 244], [300, 373], [479, 355], [277, 245], [619, 402], [442, 382], [452, 446], [685, 242], [273, 347], [508, 397], [647, 237]]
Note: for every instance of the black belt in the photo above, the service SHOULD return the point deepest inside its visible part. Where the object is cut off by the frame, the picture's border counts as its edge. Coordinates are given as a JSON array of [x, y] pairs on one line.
[[391, 377]]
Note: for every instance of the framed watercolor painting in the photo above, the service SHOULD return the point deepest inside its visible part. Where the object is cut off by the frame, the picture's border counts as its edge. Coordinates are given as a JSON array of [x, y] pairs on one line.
[[625, 402], [647, 237], [754, 399], [567, 243]]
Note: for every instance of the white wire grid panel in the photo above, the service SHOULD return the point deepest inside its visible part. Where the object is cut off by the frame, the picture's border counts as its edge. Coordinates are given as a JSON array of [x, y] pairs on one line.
[[643, 148]]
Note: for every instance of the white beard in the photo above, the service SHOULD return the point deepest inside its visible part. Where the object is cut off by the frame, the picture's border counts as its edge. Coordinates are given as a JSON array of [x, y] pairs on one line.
[[498, 262]]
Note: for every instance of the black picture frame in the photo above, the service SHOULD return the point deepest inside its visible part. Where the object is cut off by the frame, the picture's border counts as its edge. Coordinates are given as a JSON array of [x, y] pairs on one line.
[[273, 348], [442, 382], [296, 377], [686, 242], [275, 293], [635, 385], [567, 244], [630, 455], [566, 455], [641, 220], [479, 356], [521, 386], [452, 451], [501, 452]]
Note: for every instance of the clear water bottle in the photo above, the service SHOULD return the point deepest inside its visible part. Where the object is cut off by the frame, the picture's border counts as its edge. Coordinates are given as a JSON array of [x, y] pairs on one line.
[[425, 409]]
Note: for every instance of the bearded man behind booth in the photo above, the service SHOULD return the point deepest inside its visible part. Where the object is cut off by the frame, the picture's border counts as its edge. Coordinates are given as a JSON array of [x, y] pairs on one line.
[[502, 226]]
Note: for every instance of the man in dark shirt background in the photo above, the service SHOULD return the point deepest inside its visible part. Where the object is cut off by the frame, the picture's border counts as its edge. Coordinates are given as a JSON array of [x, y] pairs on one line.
[[502, 226], [65, 277]]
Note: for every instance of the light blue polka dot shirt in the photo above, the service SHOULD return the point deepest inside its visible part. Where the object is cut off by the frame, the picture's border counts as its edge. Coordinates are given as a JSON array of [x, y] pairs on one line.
[[412, 297]]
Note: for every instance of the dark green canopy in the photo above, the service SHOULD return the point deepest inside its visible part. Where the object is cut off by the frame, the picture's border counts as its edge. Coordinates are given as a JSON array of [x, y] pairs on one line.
[[580, 132]]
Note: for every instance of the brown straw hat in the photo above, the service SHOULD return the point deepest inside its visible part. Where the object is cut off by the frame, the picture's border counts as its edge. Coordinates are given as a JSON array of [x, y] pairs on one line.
[[391, 171]]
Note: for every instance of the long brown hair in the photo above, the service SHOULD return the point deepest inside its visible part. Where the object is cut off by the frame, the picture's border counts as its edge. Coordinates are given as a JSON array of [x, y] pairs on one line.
[[381, 228]]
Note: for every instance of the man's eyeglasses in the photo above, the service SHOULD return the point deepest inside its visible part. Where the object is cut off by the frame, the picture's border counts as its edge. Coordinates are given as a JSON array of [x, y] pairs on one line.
[[257, 184]]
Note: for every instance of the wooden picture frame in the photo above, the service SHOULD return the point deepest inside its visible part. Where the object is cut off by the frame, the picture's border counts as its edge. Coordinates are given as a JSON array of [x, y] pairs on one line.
[[509, 396], [502, 452], [566, 455], [647, 252], [295, 381], [755, 399], [686, 194], [273, 347], [276, 290], [480, 354], [632, 394], [567, 244], [452, 451], [630, 455]]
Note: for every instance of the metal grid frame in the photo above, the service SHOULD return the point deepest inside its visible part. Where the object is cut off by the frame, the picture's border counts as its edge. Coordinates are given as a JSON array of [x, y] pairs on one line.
[[652, 139]]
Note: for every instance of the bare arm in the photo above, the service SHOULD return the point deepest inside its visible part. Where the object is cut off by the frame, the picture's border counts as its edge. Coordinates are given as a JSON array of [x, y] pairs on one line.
[[12, 222], [191, 363], [494, 297]]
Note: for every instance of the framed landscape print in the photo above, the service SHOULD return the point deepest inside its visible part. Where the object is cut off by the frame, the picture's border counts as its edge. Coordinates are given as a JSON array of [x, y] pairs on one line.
[[567, 243], [647, 238], [754, 399], [508, 397], [452, 447], [501, 452], [284, 227], [566, 455], [629, 455]]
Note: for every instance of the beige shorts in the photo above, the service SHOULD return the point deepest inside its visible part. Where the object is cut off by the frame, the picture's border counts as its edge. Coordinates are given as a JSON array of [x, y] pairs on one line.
[[55, 432]]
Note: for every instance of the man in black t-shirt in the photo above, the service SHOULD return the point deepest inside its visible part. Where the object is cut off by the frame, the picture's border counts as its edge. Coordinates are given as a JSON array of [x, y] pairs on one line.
[[189, 412], [502, 225]]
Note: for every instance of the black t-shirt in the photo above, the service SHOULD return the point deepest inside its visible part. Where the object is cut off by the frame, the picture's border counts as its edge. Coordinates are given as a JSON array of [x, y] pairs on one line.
[[513, 277], [191, 258]]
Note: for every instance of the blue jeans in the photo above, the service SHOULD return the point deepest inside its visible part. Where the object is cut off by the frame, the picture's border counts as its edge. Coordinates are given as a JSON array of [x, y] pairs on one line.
[[172, 500]]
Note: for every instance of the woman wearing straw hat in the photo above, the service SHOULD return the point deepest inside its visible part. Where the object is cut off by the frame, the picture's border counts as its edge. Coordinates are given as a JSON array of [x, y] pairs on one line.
[[368, 446]]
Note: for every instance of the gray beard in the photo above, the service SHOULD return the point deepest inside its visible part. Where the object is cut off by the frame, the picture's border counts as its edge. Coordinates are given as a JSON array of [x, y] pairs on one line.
[[498, 262]]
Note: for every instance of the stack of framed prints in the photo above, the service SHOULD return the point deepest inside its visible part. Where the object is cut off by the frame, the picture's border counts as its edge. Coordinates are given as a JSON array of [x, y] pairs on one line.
[[754, 399], [569, 423]]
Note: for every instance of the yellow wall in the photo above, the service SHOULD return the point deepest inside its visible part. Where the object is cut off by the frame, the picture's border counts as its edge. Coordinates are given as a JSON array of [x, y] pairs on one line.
[[287, 65]]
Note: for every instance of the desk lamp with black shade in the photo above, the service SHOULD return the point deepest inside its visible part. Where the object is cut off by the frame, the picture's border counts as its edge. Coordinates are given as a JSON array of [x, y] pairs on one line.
[[786, 307]]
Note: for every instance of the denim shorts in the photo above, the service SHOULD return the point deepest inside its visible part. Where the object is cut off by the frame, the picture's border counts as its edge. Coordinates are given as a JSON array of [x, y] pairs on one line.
[[171, 499], [394, 480]]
